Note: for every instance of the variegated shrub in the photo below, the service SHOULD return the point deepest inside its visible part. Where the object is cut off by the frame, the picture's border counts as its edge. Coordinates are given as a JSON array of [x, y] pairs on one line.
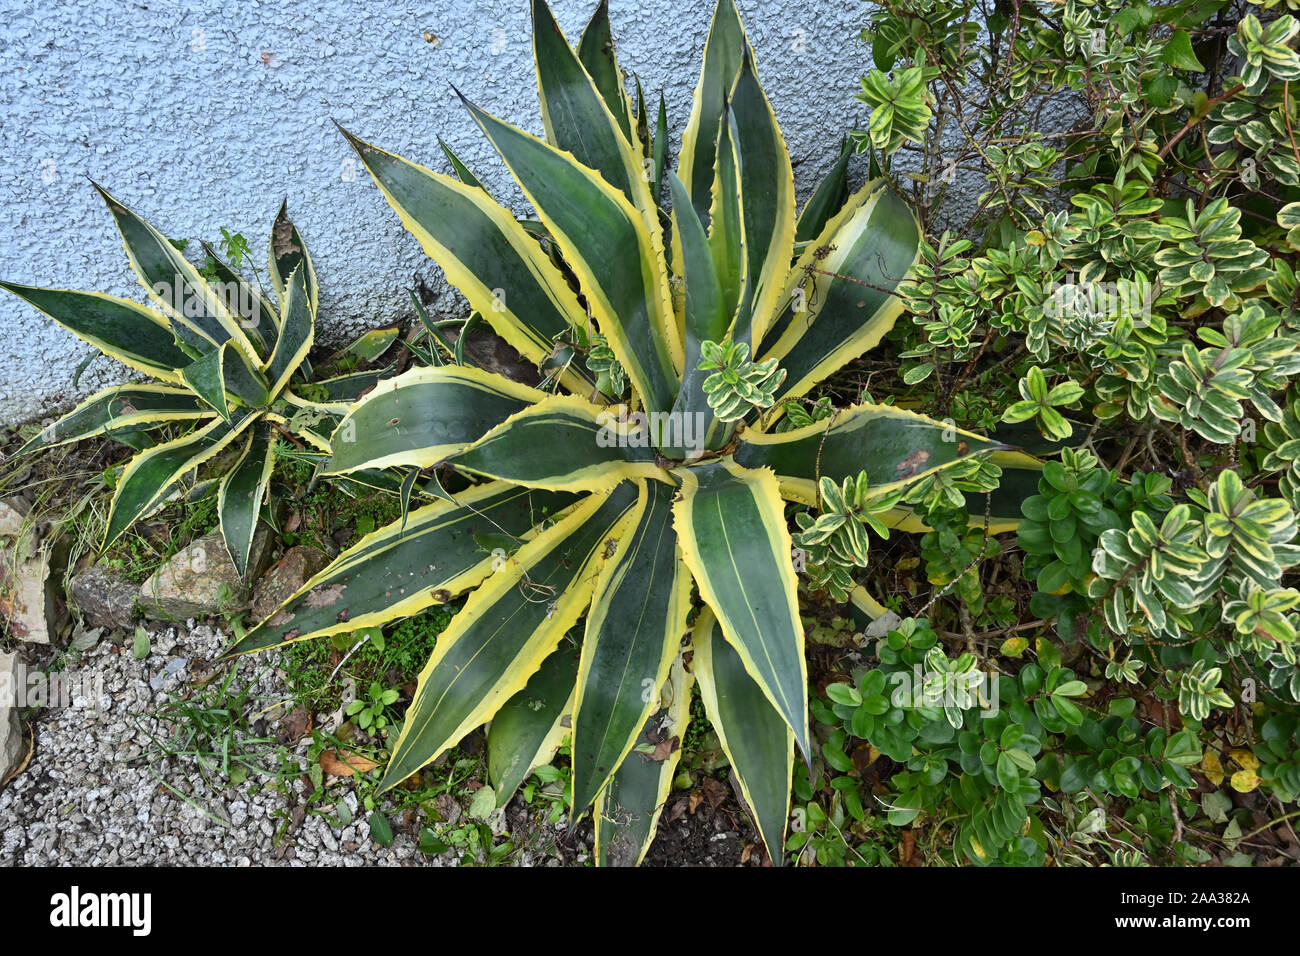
[[584, 509], [230, 370]]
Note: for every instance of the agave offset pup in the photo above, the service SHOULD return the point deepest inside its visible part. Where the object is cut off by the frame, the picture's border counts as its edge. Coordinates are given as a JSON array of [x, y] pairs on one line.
[[584, 509], [231, 370]]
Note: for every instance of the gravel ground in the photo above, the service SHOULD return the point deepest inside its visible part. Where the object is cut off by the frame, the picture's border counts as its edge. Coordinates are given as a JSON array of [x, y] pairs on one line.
[[96, 794], [87, 797]]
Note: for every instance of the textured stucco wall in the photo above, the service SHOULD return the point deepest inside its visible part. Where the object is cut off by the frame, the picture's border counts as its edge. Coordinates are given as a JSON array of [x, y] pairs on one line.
[[203, 113]]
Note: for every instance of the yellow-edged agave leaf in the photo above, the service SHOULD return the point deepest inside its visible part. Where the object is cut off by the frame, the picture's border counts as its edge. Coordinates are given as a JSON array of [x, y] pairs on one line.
[[563, 443], [795, 301], [755, 738], [731, 526], [288, 252], [224, 372], [827, 199], [255, 315], [617, 257], [462, 171], [444, 549], [367, 346], [726, 221], [137, 337], [424, 415], [866, 609], [596, 51], [531, 725], [634, 629], [153, 473], [627, 812], [724, 51], [1019, 480], [707, 315], [485, 253], [297, 332], [577, 118], [842, 300], [348, 388], [767, 195], [240, 494], [119, 408], [508, 626], [891, 445], [172, 281]]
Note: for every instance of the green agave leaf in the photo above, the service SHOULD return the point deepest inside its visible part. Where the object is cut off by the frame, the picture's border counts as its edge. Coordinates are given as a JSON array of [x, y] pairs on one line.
[[575, 114], [462, 171], [827, 199], [153, 473], [485, 253], [530, 726], [286, 253], [398, 571], [731, 525], [120, 408], [260, 324], [753, 734], [726, 218], [508, 626], [297, 332], [840, 293], [349, 388], [659, 151], [891, 445], [224, 372], [240, 495], [424, 415], [707, 315], [616, 255], [634, 630], [137, 337], [627, 812], [563, 443], [767, 195], [596, 51], [172, 281], [724, 51]]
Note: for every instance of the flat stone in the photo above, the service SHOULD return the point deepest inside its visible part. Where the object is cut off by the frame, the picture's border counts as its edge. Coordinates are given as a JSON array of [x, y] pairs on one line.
[[12, 745], [104, 597], [198, 581], [289, 574], [24, 600]]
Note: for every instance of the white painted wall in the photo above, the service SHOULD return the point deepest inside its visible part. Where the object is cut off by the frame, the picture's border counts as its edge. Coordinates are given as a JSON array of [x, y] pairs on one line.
[[207, 113]]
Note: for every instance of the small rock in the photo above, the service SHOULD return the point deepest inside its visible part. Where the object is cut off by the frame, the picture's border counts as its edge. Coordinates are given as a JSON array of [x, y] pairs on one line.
[[105, 598], [198, 581], [12, 518], [290, 573], [12, 745], [173, 667]]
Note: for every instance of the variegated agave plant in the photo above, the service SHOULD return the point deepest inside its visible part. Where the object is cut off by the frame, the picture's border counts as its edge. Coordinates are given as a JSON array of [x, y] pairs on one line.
[[231, 369], [582, 510]]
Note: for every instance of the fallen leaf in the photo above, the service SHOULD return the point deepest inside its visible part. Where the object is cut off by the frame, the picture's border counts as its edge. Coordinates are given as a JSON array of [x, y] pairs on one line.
[[664, 749], [1212, 767], [295, 725], [1245, 759], [1244, 781], [345, 763], [715, 791]]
